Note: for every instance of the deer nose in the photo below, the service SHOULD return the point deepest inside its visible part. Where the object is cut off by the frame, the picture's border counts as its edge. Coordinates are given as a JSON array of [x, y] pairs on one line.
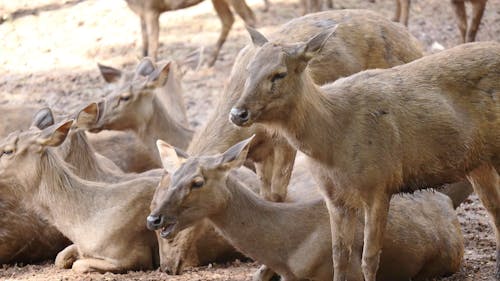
[[154, 222], [239, 116]]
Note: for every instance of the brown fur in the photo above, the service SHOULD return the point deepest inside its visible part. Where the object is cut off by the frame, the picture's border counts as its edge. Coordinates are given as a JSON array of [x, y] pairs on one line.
[[149, 12], [101, 241], [429, 122], [24, 235], [423, 238], [151, 105], [367, 41]]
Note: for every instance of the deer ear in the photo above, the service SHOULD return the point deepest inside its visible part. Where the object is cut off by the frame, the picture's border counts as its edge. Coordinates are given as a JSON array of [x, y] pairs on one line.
[[236, 155], [88, 116], [145, 67], [171, 158], [55, 135], [43, 118], [258, 39], [110, 74], [160, 75], [316, 43]]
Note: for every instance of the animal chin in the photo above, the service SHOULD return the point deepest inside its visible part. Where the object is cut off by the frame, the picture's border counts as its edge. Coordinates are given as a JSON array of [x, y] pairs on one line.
[[168, 230]]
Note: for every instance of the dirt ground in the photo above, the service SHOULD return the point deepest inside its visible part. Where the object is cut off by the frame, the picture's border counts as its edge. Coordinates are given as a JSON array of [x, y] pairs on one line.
[[48, 55]]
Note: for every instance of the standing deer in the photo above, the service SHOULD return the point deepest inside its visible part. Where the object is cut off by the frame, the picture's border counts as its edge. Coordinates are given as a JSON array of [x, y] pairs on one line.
[[379, 132], [365, 40], [149, 12], [423, 233], [468, 32], [102, 242]]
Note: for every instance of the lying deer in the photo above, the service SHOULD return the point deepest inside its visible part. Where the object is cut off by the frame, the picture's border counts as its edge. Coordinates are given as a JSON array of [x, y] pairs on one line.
[[366, 40], [150, 10], [136, 105], [24, 235], [468, 32], [423, 234], [101, 242], [380, 132]]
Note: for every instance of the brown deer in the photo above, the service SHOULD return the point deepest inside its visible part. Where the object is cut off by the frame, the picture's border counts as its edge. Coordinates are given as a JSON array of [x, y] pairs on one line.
[[468, 32], [423, 234], [380, 132], [149, 12], [24, 235], [136, 105], [101, 242], [367, 40]]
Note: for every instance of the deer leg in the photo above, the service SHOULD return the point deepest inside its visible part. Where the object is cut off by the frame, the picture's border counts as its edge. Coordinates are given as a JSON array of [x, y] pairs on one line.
[[305, 6], [397, 12], [144, 33], [242, 9], [316, 5], [264, 171], [95, 265], [477, 15], [67, 257], [153, 30], [329, 4], [284, 158], [486, 183], [376, 210], [267, 4], [227, 19], [264, 273], [460, 12], [342, 229], [405, 12]]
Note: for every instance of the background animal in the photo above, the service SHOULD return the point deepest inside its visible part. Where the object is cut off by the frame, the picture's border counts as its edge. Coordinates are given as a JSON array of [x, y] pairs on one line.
[[149, 12]]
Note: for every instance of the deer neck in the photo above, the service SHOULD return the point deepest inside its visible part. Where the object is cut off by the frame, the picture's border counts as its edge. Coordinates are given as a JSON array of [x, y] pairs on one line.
[[162, 126], [64, 199], [245, 215], [314, 121], [81, 156]]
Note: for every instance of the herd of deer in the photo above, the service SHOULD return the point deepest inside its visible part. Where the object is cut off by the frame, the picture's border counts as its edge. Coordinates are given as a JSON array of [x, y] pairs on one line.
[[97, 181]]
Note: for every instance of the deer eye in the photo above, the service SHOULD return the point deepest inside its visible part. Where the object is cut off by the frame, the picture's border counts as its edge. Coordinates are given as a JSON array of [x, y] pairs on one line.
[[278, 76], [197, 182], [7, 152], [125, 98]]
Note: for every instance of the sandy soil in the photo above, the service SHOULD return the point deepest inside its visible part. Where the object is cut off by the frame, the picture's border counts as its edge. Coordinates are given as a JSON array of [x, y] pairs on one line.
[[48, 55]]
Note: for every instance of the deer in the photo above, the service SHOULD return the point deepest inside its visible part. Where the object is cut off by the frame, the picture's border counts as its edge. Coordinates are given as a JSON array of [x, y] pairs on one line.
[[367, 40], [25, 236], [137, 105], [149, 12], [101, 243], [380, 132], [204, 187], [468, 32]]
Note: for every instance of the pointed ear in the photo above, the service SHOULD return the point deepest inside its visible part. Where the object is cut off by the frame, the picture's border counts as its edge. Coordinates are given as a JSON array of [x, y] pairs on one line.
[[88, 116], [43, 118], [110, 74], [55, 135], [160, 75], [145, 67], [170, 157], [316, 43], [236, 155], [258, 39]]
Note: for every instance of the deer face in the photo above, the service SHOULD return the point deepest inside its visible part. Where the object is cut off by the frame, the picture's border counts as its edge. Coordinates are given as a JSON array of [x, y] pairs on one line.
[[21, 153], [197, 188], [274, 79], [130, 105]]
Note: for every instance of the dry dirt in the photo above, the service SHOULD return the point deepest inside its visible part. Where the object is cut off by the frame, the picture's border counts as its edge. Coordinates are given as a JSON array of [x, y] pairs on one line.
[[48, 55]]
